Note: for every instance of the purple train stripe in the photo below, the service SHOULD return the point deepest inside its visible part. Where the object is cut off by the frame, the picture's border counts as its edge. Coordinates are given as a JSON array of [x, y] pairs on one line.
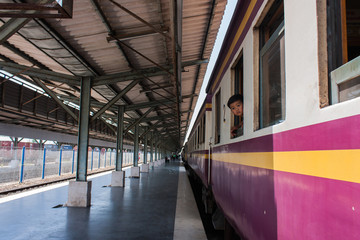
[[267, 204], [332, 135], [199, 163]]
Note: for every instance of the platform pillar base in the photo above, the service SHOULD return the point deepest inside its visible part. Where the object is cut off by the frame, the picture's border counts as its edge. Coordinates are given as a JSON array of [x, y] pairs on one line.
[[118, 179], [135, 172], [79, 194], [144, 168]]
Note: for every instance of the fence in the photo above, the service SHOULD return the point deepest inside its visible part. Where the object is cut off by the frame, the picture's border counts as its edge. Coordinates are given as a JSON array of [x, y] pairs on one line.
[[20, 164]]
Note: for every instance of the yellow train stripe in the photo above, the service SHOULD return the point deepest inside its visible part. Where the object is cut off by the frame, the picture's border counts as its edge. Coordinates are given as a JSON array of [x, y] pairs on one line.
[[200, 155], [236, 38], [333, 164]]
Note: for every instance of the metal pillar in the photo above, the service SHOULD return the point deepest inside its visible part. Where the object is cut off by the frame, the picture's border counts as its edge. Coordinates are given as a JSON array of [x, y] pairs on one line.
[[145, 147], [120, 139], [136, 145], [160, 152], [152, 147], [156, 152], [83, 136]]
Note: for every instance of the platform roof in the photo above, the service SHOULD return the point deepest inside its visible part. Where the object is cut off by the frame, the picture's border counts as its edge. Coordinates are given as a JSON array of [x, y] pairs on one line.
[[149, 55]]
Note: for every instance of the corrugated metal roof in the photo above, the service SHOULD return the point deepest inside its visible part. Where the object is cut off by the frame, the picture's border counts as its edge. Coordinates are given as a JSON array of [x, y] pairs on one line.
[[105, 41]]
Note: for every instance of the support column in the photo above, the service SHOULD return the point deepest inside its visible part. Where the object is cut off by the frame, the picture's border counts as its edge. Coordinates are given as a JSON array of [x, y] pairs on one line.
[[160, 154], [79, 194], [156, 153], [152, 149], [118, 176], [135, 170], [145, 147], [145, 166]]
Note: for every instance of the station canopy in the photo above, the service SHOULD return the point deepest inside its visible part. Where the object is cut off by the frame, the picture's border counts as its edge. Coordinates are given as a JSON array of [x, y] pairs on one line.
[[148, 55]]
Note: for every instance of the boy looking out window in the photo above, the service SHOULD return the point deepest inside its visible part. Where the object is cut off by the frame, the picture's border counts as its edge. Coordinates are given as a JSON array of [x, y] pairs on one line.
[[235, 103]]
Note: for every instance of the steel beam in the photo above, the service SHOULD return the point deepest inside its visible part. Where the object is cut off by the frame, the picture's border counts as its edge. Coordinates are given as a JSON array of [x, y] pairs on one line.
[[17, 69], [115, 99], [142, 55], [176, 6], [140, 19], [67, 46], [147, 72], [156, 88], [83, 135], [11, 27], [130, 107], [149, 119], [147, 104], [55, 98], [167, 125], [101, 15], [24, 55], [138, 120], [212, 15], [129, 36], [149, 128], [39, 9]]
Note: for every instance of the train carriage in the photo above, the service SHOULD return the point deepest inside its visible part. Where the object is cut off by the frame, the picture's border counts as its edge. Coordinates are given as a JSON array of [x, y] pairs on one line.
[[294, 171], [197, 148]]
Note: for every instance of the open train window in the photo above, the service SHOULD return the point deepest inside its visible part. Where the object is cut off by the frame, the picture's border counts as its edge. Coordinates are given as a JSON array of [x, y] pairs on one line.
[[237, 88], [217, 116], [343, 48], [272, 67]]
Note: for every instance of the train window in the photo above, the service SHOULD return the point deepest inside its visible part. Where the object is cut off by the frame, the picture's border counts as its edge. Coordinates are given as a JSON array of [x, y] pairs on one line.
[[343, 48], [201, 131], [272, 67], [217, 116], [238, 79], [196, 139], [203, 136], [198, 136]]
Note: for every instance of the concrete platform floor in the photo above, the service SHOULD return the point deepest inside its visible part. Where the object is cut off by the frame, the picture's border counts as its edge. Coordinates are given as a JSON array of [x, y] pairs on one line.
[[158, 205]]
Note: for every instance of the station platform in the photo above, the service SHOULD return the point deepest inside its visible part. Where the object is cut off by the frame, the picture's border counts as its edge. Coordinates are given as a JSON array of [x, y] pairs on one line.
[[158, 205]]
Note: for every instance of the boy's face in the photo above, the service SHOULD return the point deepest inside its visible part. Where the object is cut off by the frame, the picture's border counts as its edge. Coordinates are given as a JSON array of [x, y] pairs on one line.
[[237, 108]]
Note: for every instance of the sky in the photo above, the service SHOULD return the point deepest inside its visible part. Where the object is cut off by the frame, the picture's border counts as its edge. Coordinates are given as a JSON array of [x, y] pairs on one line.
[[229, 10]]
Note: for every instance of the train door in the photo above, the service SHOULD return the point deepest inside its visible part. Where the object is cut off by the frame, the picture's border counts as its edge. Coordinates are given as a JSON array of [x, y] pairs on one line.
[[209, 201], [209, 153]]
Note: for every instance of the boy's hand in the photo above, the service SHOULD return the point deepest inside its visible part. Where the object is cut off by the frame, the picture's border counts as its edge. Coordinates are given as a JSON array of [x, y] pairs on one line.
[[233, 131]]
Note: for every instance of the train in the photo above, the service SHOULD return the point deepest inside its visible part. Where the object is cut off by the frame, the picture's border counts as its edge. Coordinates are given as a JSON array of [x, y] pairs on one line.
[[294, 171]]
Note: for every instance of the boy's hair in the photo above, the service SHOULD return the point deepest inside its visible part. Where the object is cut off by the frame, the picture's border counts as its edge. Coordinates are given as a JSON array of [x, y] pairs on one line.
[[235, 98]]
